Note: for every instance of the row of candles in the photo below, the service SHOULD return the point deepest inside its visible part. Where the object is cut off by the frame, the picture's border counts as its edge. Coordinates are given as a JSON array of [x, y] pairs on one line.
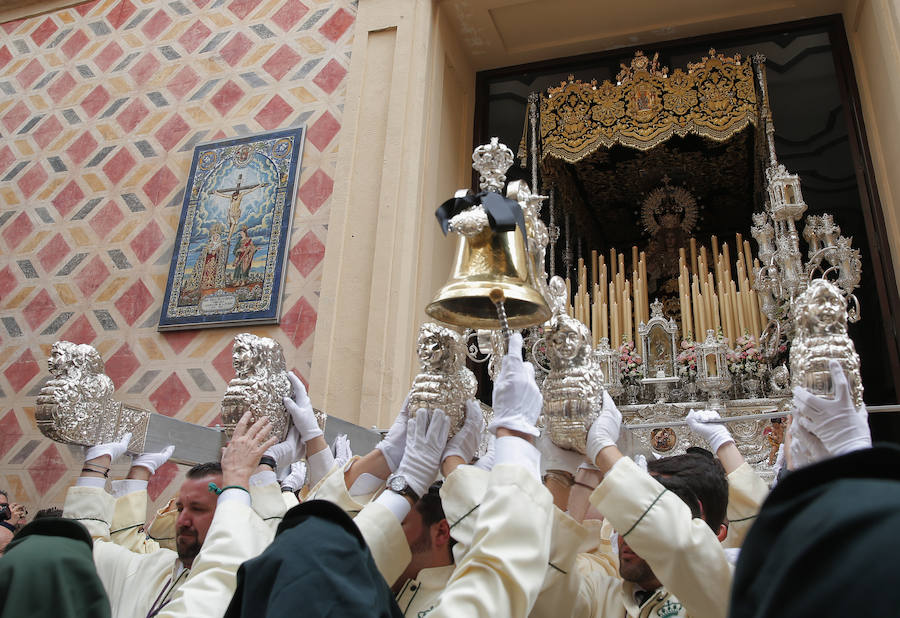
[[715, 293]]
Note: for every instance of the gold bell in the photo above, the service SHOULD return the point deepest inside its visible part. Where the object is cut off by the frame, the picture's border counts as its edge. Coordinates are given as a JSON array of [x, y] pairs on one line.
[[483, 262]]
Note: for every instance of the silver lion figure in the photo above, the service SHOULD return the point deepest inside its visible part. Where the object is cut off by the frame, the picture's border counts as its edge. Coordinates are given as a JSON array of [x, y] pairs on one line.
[[443, 381], [76, 406], [820, 334], [573, 390], [259, 385]]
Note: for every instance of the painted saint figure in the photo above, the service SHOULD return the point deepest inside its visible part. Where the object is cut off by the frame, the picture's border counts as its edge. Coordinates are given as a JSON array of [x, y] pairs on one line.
[[206, 268], [243, 257]]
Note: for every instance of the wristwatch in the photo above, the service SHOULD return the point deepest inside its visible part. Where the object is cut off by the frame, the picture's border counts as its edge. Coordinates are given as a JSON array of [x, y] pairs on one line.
[[398, 484]]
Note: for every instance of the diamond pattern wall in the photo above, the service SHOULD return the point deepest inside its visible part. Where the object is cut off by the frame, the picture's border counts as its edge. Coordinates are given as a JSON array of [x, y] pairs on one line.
[[101, 107]]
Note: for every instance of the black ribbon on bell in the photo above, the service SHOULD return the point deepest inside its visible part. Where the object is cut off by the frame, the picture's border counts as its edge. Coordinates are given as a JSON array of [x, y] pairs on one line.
[[503, 213]]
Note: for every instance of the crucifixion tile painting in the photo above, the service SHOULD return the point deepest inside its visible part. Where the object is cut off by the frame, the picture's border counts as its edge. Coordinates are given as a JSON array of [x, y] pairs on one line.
[[228, 263]]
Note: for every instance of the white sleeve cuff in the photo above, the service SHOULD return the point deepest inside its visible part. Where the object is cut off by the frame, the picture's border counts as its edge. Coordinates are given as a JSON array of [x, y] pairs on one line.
[[365, 484], [235, 495], [265, 477], [515, 450], [126, 486], [90, 481], [395, 503], [319, 465]]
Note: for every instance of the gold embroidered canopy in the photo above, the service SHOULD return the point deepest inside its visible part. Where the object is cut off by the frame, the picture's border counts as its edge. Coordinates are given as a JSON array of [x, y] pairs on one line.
[[646, 106]]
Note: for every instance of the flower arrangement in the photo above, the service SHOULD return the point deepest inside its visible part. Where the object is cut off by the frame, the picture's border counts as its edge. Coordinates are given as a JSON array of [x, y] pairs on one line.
[[687, 360], [745, 360], [631, 364]]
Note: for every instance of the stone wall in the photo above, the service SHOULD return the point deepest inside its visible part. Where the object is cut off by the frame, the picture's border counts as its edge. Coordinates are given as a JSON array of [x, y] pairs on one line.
[[101, 107]]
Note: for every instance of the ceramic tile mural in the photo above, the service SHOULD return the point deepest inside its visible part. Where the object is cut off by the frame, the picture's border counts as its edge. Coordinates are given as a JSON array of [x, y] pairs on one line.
[[101, 107]]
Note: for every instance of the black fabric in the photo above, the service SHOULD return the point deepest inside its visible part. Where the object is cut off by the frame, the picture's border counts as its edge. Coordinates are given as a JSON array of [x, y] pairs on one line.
[[317, 566], [825, 542], [504, 214], [48, 570]]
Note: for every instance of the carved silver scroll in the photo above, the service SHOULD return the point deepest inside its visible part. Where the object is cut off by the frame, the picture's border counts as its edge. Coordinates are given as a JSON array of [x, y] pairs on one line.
[[443, 381]]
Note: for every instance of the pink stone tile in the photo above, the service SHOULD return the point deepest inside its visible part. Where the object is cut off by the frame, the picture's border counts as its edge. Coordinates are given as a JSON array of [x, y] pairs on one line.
[[160, 185], [172, 132], [106, 219], [194, 36], [289, 14], [18, 230], [144, 69], [147, 241], [336, 25], [70, 196], [80, 331], [47, 470], [75, 43], [61, 86], [183, 82], [49, 129], [179, 340], [110, 54], [161, 480], [307, 254], [134, 302], [82, 148], [236, 48], [169, 398], [273, 114], [223, 364], [92, 276], [7, 157], [11, 26], [53, 253], [119, 14], [5, 56], [315, 191], [8, 282], [17, 114], [300, 322], [323, 130], [227, 97], [33, 179], [84, 9], [132, 115], [95, 101], [122, 365], [38, 310], [242, 8], [21, 371], [282, 61], [10, 432], [32, 71], [119, 165], [330, 77], [154, 26], [44, 31]]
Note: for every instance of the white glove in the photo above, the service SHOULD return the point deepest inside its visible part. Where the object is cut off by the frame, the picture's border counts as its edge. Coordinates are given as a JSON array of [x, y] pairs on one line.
[[394, 443], [296, 479], [778, 465], [113, 449], [641, 461], [426, 439], [465, 443], [287, 452], [486, 461], [152, 461], [341, 449], [715, 434], [555, 458], [301, 410], [836, 422], [517, 398], [605, 429], [805, 448]]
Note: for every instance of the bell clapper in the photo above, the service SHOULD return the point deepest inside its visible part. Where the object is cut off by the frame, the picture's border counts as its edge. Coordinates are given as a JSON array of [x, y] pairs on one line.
[[499, 298]]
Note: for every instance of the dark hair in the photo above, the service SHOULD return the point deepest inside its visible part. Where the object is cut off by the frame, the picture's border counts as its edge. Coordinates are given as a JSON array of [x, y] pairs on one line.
[[5, 495], [205, 469], [431, 508], [702, 476], [53, 511]]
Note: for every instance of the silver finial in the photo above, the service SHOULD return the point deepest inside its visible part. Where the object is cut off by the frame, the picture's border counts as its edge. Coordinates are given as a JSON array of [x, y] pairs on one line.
[[491, 161]]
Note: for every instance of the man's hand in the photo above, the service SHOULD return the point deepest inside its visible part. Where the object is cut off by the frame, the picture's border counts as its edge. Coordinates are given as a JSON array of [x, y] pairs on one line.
[[287, 452], [465, 443], [715, 434], [101, 456], [296, 479], [426, 440], [836, 422], [241, 456], [145, 465], [301, 410], [394, 443], [604, 433], [18, 513], [517, 398]]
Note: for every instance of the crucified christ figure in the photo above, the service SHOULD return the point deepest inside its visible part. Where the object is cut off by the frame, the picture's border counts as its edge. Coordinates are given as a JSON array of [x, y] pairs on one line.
[[236, 195]]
